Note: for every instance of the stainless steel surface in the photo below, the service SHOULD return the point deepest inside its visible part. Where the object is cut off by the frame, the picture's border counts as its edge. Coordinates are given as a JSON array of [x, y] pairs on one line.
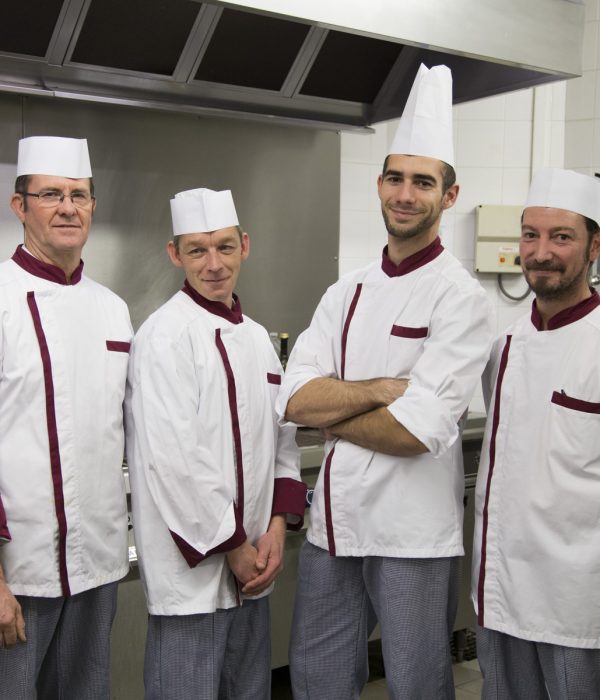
[[141, 159], [492, 46]]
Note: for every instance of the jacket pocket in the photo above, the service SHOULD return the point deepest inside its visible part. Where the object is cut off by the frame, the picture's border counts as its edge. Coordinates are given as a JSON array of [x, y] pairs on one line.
[[405, 347], [561, 399], [409, 332], [273, 378], [118, 346]]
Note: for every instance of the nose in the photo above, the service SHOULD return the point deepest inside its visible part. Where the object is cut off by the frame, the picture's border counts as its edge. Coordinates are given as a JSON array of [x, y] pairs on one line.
[[214, 260], [543, 251], [405, 192], [66, 207]]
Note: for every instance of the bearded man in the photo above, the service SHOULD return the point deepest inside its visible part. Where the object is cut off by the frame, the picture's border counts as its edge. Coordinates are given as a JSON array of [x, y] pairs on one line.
[[536, 560]]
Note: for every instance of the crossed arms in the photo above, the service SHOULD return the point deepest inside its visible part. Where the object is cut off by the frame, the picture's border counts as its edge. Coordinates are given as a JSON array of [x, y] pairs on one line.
[[355, 411]]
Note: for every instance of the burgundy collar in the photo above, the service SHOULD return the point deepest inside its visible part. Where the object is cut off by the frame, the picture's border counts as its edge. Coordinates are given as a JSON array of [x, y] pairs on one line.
[[566, 316], [45, 270], [218, 308], [413, 262]]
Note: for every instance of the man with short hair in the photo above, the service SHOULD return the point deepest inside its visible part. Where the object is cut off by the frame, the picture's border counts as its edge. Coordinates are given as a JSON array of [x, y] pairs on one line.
[[213, 476], [387, 369], [536, 559], [64, 343]]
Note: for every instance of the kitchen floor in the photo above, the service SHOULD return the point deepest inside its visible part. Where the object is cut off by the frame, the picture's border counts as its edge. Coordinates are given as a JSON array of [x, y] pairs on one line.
[[467, 682]]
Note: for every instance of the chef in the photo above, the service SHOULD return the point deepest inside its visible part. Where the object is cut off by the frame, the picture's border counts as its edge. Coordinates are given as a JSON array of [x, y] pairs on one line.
[[213, 476], [387, 368], [64, 343], [536, 563]]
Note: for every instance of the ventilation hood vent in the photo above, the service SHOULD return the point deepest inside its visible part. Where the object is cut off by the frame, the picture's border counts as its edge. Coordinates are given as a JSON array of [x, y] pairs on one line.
[[342, 65]]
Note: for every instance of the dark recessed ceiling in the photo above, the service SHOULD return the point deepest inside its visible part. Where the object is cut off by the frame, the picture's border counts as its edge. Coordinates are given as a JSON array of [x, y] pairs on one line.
[[26, 28], [203, 57], [350, 67], [251, 50], [135, 35]]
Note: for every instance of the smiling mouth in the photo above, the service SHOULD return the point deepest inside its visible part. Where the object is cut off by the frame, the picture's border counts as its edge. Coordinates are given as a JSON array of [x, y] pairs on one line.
[[403, 212]]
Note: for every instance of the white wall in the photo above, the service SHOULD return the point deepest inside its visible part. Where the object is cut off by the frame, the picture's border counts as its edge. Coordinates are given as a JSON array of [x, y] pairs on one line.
[[582, 125], [500, 142]]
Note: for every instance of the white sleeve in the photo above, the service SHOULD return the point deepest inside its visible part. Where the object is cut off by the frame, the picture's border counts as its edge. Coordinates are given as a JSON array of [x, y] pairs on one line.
[[445, 376], [317, 350], [166, 445]]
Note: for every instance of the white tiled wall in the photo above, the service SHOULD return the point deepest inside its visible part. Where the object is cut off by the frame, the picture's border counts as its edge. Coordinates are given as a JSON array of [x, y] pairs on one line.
[[582, 118]]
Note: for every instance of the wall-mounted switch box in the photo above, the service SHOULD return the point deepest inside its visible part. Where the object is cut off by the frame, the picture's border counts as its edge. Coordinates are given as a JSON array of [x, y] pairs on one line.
[[498, 230]]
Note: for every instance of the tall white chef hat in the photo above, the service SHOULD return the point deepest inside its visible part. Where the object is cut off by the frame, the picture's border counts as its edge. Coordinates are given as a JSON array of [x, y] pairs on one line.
[[565, 189], [202, 210], [54, 155], [425, 127]]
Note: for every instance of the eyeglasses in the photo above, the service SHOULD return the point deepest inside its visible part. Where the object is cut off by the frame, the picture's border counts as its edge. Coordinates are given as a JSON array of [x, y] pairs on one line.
[[52, 198]]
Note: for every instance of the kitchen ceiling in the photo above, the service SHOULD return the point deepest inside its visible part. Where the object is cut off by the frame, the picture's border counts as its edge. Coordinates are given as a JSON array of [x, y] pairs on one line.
[[339, 65]]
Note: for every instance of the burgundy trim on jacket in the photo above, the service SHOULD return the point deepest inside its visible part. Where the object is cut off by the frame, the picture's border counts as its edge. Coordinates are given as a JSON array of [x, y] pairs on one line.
[[118, 346], [193, 557], [409, 332], [413, 262], [327, 495], [53, 443], [495, 423], [346, 328], [4, 531], [218, 308], [235, 421], [45, 270], [561, 399], [566, 316], [289, 496]]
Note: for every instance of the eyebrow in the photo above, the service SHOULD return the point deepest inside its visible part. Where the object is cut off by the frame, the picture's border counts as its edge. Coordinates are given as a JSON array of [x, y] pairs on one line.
[[201, 244], [415, 176], [554, 229]]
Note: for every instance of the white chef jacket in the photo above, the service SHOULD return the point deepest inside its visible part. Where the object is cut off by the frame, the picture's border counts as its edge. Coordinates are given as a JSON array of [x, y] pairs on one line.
[[426, 319], [208, 461], [63, 353], [536, 553]]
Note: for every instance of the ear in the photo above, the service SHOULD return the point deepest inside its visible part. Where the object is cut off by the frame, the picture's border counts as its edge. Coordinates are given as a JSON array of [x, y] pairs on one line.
[[17, 204], [245, 245], [595, 247], [379, 183], [450, 197], [173, 254]]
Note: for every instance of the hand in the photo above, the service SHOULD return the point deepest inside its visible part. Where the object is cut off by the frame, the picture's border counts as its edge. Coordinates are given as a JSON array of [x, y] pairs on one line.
[[12, 624], [242, 561], [269, 561]]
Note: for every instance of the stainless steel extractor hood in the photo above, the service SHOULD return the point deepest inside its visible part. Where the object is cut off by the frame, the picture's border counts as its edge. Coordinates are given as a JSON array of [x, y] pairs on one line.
[[331, 63]]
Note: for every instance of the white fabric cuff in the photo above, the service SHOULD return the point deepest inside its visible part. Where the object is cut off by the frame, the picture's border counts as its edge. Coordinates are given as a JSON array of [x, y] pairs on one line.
[[426, 416]]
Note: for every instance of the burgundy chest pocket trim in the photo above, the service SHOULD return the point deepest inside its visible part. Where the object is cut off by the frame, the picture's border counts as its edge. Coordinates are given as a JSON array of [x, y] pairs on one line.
[[273, 378], [408, 332], [118, 346], [575, 404]]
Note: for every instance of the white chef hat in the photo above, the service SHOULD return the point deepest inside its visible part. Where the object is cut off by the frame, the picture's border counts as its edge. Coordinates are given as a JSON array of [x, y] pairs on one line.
[[202, 210], [565, 189], [54, 155], [425, 127]]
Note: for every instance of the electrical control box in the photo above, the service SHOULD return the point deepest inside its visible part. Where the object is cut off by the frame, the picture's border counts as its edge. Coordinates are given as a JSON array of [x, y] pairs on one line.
[[498, 230]]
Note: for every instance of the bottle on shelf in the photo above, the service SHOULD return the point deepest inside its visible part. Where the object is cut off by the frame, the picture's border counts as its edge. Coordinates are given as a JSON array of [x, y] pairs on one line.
[[283, 349]]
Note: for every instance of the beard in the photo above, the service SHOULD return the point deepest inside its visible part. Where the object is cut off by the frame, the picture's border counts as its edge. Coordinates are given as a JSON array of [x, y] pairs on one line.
[[404, 232], [552, 290]]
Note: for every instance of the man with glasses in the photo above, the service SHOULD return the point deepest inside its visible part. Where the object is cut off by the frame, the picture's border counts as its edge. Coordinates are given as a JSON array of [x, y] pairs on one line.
[[64, 343]]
